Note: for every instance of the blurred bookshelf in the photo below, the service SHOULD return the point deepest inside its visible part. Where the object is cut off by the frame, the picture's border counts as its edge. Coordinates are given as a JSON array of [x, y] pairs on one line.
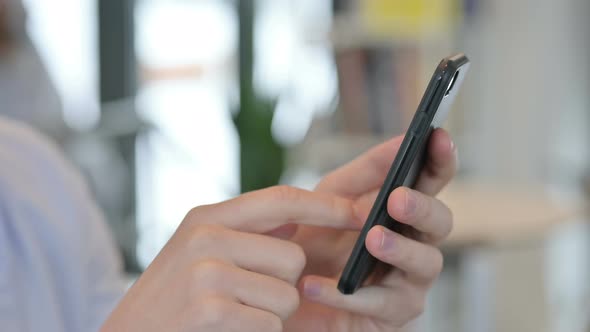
[[382, 70]]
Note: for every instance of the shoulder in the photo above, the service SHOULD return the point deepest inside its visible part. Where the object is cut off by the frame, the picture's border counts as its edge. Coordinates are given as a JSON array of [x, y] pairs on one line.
[[23, 142], [31, 165], [40, 188], [52, 234]]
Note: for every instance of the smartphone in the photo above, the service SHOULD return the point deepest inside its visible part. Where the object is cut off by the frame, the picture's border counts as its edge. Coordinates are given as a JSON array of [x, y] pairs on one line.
[[432, 112]]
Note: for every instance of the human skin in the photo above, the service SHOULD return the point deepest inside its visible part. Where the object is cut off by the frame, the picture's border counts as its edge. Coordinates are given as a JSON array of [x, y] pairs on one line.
[[269, 260]]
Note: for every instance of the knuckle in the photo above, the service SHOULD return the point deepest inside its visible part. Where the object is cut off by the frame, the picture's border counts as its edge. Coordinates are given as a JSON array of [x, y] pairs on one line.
[[274, 324], [344, 210], [295, 263], [210, 312], [450, 220], [414, 304], [402, 255], [385, 309], [285, 193], [424, 204], [206, 236], [208, 273], [298, 259], [437, 263], [324, 182], [290, 301], [417, 306], [195, 214]]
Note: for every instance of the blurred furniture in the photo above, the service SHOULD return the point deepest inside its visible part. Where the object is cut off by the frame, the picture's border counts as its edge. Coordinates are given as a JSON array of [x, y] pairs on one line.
[[497, 256], [495, 213]]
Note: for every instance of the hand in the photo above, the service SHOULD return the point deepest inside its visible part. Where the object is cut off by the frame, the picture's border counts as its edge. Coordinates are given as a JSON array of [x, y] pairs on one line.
[[396, 296], [218, 273]]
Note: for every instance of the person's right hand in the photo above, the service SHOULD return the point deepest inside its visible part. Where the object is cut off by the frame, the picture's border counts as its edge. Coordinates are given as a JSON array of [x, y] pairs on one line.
[[219, 272]]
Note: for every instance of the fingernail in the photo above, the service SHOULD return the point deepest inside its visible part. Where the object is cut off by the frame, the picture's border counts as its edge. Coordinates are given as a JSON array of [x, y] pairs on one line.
[[411, 203], [386, 240], [312, 288]]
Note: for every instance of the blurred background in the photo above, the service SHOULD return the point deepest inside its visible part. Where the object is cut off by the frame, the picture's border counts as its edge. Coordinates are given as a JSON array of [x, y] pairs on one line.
[[169, 104]]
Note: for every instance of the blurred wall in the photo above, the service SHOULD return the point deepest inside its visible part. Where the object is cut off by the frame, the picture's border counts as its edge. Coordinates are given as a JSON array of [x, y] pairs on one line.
[[526, 100]]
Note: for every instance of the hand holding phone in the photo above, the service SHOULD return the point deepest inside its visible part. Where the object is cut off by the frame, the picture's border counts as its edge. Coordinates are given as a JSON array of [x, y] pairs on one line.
[[431, 113]]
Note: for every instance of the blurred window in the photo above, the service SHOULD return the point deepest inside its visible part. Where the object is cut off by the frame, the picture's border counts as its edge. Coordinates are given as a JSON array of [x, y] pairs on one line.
[[185, 52], [64, 33]]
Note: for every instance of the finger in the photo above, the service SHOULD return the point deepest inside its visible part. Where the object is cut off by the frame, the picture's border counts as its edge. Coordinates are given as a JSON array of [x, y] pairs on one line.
[[284, 232], [250, 288], [224, 314], [441, 163], [251, 319], [397, 305], [364, 204], [278, 258], [428, 215], [365, 173], [264, 210], [420, 262]]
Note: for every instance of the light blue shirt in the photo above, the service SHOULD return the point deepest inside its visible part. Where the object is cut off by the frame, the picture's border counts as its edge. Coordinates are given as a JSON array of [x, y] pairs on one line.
[[59, 267]]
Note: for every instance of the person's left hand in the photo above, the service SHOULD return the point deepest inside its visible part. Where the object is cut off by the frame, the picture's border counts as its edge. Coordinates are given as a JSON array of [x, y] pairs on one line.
[[397, 296]]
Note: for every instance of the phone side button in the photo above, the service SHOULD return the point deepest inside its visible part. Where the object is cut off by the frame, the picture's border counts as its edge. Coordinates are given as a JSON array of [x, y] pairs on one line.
[[421, 124]]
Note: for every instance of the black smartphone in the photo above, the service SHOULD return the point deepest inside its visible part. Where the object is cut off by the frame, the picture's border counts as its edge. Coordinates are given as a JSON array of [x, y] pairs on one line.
[[432, 112]]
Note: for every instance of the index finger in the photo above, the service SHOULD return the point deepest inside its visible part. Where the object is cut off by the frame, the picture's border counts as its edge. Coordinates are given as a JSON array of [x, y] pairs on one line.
[[365, 173], [265, 210]]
